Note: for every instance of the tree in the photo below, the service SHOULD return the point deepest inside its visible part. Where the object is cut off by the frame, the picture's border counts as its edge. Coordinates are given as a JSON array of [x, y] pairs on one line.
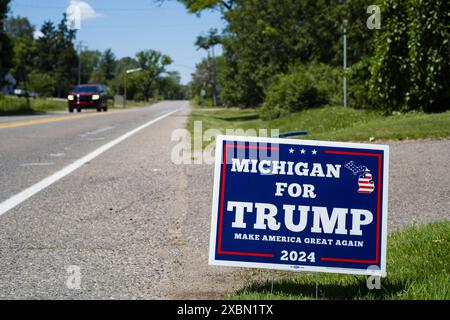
[[197, 6], [208, 43], [429, 55], [19, 27], [46, 48], [21, 33], [122, 65], [108, 64], [66, 67], [106, 68], [261, 41], [265, 38], [6, 51], [41, 83], [153, 64], [90, 63], [170, 88], [56, 55], [411, 65]]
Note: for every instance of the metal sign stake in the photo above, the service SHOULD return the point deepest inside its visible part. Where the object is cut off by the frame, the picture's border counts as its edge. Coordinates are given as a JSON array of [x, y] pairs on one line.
[[273, 280], [317, 286]]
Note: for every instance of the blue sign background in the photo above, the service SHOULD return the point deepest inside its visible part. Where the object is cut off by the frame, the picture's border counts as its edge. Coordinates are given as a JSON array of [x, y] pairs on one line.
[[330, 193]]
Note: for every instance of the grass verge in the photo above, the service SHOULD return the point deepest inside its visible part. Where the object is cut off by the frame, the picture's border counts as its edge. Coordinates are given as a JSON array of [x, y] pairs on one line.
[[330, 123], [417, 264], [10, 105]]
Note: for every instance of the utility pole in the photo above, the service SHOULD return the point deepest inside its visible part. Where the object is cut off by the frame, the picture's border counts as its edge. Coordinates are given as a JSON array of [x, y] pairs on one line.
[[345, 61], [214, 77]]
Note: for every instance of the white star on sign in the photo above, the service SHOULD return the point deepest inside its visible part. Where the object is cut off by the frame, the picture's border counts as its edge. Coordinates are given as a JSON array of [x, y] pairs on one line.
[[303, 151], [314, 152], [291, 150]]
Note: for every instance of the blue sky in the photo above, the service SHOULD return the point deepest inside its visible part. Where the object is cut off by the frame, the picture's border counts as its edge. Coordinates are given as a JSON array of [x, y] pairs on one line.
[[129, 26]]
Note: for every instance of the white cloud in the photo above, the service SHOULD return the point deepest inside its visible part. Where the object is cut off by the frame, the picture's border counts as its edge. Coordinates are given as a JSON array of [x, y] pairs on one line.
[[78, 11], [37, 34]]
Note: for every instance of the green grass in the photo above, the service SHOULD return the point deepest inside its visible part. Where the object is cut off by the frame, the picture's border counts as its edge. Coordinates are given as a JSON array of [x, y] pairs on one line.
[[10, 105], [330, 123], [418, 267]]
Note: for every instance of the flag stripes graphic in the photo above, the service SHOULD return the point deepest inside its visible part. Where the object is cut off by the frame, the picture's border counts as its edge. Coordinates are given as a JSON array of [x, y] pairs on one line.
[[365, 183]]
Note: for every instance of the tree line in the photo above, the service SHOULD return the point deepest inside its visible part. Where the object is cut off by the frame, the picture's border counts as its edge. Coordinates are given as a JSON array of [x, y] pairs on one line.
[[49, 62], [286, 55]]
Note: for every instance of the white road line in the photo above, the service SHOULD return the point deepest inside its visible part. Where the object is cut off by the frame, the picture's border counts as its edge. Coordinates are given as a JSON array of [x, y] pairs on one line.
[[97, 131], [20, 197], [37, 164]]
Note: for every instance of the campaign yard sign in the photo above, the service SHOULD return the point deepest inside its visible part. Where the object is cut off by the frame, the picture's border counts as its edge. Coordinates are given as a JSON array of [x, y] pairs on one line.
[[300, 205]]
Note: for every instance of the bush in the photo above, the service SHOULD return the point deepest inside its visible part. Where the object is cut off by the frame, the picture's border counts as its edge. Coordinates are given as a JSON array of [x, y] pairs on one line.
[[42, 83], [358, 85], [411, 66], [138, 96], [305, 86], [11, 105]]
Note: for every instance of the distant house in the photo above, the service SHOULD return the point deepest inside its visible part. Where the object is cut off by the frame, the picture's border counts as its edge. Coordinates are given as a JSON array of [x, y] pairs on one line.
[[9, 84]]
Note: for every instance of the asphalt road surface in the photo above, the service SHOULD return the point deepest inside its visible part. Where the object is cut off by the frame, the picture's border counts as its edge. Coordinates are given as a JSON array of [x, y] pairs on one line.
[[92, 207], [102, 230]]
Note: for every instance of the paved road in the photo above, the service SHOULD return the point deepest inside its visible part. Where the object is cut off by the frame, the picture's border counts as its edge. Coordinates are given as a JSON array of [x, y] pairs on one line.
[[110, 217], [135, 225]]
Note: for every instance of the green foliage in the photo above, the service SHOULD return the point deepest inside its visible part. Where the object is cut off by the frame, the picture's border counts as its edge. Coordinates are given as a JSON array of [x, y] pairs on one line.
[[55, 55], [169, 88], [49, 64], [331, 123], [411, 66], [358, 84], [262, 42], [122, 65], [10, 105], [429, 55], [5, 42], [90, 63], [266, 38], [305, 86], [208, 41], [207, 77], [6, 54], [196, 6], [108, 65], [21, 31], [52, 54], [153, 63], [42, 83]]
